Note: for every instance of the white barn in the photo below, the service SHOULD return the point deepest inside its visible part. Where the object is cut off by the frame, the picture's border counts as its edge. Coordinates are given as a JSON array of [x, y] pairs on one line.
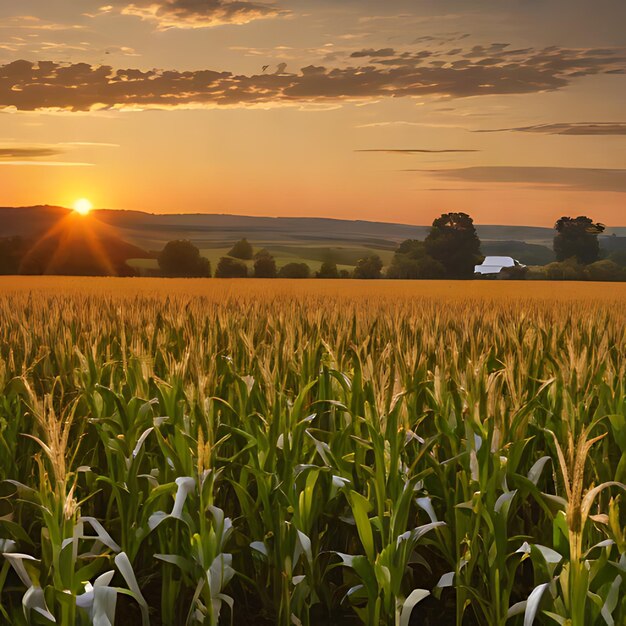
[[493, 264]]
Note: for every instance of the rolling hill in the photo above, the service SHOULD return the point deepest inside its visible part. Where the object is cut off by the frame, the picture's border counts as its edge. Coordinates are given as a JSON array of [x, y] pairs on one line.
[[307, 239]]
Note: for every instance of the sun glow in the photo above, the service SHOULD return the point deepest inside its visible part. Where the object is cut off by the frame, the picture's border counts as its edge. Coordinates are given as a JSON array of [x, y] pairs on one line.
[[83, 206]]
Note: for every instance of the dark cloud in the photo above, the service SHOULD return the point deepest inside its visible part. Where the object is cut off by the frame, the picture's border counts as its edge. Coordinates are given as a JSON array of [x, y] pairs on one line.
[[195, 13], [568, 128], [370, 52], [29, 85], [416, 151], [25, 153], [572, 178]]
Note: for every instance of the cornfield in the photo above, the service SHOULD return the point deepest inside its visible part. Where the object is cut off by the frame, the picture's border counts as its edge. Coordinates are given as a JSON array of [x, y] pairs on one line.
[[214, 452]]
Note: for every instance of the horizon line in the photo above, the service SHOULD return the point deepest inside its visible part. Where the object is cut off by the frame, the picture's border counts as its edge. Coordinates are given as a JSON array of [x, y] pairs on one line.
[[289, 217]]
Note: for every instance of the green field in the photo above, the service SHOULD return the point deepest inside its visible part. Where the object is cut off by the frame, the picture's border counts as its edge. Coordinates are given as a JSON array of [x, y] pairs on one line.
[[345, 257], [187, 452]]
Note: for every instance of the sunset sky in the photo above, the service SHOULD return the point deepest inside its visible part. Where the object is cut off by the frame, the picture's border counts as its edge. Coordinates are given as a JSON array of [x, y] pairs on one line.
[[394, 110]]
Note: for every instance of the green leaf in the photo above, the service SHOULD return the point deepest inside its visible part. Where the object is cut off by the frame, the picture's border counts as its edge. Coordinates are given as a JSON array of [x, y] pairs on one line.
[[360, 508]]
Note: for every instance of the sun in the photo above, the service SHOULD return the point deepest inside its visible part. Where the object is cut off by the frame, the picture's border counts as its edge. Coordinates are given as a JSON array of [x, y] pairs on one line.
[[83, 206]]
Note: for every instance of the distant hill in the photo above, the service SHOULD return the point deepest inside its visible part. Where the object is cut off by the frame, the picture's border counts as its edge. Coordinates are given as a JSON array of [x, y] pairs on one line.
[[289, 238], [527, 253], [52, 240]]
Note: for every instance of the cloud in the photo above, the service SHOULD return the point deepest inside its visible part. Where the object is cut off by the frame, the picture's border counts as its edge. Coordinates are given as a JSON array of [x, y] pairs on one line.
[[32, 22], [46, 163], [27, 153], [416, 151], [382, 52], [569, 178], [449, 189], [568, 128], [91, 144], [195, 13], [40, 155], [28, 86]]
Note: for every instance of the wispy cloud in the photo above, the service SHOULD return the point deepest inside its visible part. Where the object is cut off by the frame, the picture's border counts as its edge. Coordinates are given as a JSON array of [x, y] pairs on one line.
[[567, 128], [32, 22], [416, 150], [27, 153], [44, 154], [94, 144], [452, 189], [46, 163], [572, 178]]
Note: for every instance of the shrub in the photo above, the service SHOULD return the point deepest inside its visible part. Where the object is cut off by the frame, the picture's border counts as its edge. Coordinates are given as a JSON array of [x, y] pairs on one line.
[[295, 270], [565, 270], [606, 270], [242, 250], [229, 268], [513, 273]]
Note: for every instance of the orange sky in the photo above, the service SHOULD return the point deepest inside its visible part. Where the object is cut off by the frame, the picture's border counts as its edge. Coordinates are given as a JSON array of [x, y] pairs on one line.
[[361, 109]]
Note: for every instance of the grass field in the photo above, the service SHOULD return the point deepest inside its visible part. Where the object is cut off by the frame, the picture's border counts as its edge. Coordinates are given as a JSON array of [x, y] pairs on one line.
[[345, 257], [312, 452]]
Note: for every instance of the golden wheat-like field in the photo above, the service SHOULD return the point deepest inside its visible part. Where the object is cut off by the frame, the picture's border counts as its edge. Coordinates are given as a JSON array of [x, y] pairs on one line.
[[312, 452]]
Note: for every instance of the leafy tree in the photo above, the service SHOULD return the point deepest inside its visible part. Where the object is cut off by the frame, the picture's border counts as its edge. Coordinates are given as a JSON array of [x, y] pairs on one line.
[[264, 265], [577, 237], [413, 248], [369, 267], [454, 243], [344, 274], [182, 258], [411, 262], [295, 270], [403, 267], [328, 270], [242, 250], [229, 268]]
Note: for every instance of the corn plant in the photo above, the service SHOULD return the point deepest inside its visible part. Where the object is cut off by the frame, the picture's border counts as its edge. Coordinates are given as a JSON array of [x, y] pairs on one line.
[[302, 454]]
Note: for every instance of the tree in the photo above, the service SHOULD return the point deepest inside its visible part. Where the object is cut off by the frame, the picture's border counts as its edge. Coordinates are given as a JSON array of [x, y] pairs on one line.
[[411, 262], [229, 268], [182, 258], [242, 250], [577, 238], [413, 248], [405, 268], [328, 270], [295, 270], [454, 243], [369, 267], [264, 265]]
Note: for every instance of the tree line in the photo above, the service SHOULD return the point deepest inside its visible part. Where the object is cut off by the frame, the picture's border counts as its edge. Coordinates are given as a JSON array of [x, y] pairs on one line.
[[450, 251]]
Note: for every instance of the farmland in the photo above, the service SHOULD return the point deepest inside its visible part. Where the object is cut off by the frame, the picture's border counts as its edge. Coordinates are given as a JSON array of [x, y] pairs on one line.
[[312, 452]]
